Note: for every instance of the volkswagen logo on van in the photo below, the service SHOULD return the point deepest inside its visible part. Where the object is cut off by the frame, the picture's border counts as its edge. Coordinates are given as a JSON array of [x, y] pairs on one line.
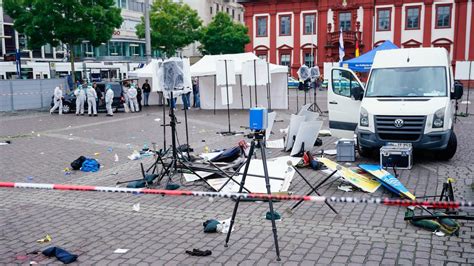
[[398, 123]]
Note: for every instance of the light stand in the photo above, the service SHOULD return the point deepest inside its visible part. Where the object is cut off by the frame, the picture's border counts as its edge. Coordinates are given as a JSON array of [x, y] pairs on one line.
[[258, 141], [255, 79], [229, 132]]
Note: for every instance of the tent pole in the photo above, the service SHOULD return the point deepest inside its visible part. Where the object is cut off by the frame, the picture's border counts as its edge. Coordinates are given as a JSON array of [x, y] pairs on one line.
[[269, 94], [241, 92], [255, 78], [215, 85]]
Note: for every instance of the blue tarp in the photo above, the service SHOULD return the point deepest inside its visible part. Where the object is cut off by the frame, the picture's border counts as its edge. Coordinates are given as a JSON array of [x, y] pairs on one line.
[[364, 62]]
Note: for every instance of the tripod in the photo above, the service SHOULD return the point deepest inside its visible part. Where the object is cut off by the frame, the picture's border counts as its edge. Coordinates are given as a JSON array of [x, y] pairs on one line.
[[258, 141]]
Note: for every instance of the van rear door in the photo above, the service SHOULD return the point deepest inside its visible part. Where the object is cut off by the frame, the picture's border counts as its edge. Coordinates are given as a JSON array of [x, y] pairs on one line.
[[343, 108]]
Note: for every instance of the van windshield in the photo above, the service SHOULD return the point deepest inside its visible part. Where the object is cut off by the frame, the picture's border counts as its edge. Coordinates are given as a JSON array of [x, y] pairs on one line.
[[408, 82]]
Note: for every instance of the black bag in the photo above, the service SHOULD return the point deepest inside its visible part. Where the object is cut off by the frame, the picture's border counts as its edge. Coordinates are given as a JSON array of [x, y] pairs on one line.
[[77, 164]]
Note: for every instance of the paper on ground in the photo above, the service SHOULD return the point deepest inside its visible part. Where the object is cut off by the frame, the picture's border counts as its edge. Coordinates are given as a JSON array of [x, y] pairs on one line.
[[193, 177], [325, 132], [209, 156], [277, 167], [275, 144], [120, 251]]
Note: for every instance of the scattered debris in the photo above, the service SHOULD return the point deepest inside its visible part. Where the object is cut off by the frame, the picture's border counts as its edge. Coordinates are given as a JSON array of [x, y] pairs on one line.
[[199, 253], [96, 154], [45, 239], [324, 133], [157, 119], [61, 254], [134, 156], [276, 216], [120, 251], [275, 144], [29, 178], [345, 188], [439, 233], [110, 149], [6, 142], [116, 158], [136, 207]]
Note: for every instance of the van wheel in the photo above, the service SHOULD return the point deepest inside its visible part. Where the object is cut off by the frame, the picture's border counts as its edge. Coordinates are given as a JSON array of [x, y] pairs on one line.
[[450, 150], [364, 152]]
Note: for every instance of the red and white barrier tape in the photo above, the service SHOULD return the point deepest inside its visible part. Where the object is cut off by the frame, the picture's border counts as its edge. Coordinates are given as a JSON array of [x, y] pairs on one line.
[[385, 201]]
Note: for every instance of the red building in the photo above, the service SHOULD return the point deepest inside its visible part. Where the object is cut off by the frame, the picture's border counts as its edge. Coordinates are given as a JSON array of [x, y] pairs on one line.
[[293, 32]]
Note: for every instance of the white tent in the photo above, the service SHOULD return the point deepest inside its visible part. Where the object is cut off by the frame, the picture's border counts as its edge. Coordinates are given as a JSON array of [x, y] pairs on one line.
[[150, 73], [244, 96]]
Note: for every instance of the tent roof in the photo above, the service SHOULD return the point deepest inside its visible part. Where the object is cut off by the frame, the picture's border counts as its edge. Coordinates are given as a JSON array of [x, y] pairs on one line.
[[148, 71], [207, 65], [364, 62]]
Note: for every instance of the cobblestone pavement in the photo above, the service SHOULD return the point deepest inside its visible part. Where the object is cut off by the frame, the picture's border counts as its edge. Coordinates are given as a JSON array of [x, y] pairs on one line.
[[93, 225]]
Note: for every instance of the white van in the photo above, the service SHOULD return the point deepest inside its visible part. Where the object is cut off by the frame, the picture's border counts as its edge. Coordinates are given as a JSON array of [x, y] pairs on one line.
[[409, 98]]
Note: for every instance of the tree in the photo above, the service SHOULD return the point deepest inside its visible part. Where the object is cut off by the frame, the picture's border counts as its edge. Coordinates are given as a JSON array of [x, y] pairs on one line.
[[224, 36], [173, 26], [68, 22]]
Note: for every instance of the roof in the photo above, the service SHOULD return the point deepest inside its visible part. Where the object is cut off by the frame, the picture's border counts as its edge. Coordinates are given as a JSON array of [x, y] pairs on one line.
[[207, 65], [411, 57]]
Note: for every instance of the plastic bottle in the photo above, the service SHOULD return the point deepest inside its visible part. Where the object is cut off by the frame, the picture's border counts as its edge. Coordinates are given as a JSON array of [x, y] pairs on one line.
[[206, 148]]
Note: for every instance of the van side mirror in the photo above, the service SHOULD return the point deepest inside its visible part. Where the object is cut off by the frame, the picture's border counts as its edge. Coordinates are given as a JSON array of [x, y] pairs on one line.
[[458, 91], [357, 93]]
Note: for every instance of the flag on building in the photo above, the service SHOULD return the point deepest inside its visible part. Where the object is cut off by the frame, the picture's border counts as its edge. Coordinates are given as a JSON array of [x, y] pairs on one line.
[[357, 52], [341, 47]]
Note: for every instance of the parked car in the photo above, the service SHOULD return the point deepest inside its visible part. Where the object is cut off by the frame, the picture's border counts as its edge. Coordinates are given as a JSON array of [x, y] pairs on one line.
[[69, 101], [293, 83]]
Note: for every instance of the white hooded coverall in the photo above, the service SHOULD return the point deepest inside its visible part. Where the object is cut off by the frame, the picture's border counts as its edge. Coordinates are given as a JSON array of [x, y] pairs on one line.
[[58, 101], [91, 100], [109, 98], [132, 98], [80, 99]]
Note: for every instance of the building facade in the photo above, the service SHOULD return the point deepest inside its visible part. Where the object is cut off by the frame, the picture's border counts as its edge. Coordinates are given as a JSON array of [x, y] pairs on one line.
[[296, 32], [124, 45], [206, 10]]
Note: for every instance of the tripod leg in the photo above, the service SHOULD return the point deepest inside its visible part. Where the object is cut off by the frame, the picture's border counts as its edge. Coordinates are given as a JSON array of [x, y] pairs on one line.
[[314, 189], [270, 203], [234, 213]]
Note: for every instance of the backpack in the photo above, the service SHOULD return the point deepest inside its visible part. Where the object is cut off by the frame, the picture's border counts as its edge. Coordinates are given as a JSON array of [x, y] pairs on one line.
[[90, 165], [77, 164]]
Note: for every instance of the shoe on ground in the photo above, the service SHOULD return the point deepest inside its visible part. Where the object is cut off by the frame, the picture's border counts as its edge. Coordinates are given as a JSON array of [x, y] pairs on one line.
[[90, 115], [95, 115]]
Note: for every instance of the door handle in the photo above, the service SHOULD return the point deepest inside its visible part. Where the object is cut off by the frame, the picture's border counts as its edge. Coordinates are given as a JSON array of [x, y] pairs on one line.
[[332, 102]]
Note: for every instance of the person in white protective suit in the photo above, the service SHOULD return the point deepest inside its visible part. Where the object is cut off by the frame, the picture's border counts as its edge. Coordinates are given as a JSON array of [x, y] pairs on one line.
[[109, 98], [125, 89], [80, 99], [58, 100], [91, 101], [132, 99]]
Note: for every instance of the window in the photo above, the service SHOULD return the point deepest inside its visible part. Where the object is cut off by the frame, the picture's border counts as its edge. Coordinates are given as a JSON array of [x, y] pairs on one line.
[[412, 18], [285, 59], [210, 10], [285, 25], [121, 3], [383, 19], [227, 10], [407, 82], [262, 26], [238, 16], [48, 51], [308, 59], [217, 8], [343, 82], [443, 16], [262, 54], [233, 13], [345, 21], [309, 24]]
